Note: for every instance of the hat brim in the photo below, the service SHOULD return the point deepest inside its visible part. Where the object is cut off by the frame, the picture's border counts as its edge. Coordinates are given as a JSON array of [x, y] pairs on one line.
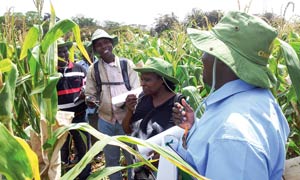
[[115, 40], [146, 68], [257, 75], [68, 44]]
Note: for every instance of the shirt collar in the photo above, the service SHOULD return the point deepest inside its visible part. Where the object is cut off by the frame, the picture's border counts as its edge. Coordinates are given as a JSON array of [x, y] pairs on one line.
[[114, 63], [228, 89], [69, 66]]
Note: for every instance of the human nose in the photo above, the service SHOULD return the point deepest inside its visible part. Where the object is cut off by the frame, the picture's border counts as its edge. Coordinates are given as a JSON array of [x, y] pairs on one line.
[[64, 53], [100, 48], [143, 82]]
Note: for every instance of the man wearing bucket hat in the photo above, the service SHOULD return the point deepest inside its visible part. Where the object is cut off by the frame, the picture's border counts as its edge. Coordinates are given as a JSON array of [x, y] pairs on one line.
[[71, 98], [242, 132], [152, 110], [112, 84]]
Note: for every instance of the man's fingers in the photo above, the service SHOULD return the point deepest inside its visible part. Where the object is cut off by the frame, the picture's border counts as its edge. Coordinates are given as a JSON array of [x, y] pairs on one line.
[[178, 114], [186, 106]]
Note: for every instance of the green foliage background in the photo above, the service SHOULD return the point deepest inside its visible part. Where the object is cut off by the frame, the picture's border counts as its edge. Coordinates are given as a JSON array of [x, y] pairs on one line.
[[28, 70]]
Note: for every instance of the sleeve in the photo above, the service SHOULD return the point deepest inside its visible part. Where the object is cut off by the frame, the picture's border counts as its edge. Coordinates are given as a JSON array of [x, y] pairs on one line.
[[91, 85], [234, 159], [83, 70], [84, 79], [133, 75]]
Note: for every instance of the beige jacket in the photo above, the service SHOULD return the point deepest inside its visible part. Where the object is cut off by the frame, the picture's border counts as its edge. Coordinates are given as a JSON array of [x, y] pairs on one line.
[[105, 110]]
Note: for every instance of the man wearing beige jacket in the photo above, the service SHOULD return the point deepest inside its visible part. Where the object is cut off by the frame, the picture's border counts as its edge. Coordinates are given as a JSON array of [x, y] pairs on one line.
[[112, 83]]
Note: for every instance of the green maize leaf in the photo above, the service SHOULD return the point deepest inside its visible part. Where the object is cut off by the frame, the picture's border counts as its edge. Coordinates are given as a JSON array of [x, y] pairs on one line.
[[97, 147], [192, 81], [51, 85], [7, 94], [60, 131], [14, 162], [1, 83], [58, 30], [168, 56], [53, 15], [22, 79], [5, 65], [154, 52], [51, 60], [32, 157], [50, 54], [103, 173], [293, 65], [20, 108], [182, 73], [76, 32], [39, 88], [193, 96], [293, 145], [291, 96], [35, 52], [49, 108], [34, 68], [296, 47], [47, 89], [10, 51], [198, 73], [31, 40], [88, 157], [171, 156], [3, 50], [50, 98], [293, 36]]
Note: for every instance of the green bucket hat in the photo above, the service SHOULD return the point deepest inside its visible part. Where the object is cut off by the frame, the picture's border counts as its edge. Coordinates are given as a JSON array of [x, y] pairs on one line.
[[61, 43], [160, 67], [244, 43], [99, 33]]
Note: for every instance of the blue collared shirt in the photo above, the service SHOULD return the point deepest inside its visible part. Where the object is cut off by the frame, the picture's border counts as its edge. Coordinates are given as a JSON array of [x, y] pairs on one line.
[[241, 135]]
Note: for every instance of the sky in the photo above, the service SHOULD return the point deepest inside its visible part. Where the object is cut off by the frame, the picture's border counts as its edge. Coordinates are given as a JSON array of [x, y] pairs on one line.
[[144, 11]]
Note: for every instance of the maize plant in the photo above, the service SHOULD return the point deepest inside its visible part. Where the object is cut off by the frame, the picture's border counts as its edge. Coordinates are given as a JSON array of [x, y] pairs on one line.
[[28, 92], [28, 96]]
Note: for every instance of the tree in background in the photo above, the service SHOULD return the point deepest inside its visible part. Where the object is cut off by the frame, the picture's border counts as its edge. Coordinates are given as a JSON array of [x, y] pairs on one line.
[[197, 18], [204, 20], [163, 23], [83, 21]]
